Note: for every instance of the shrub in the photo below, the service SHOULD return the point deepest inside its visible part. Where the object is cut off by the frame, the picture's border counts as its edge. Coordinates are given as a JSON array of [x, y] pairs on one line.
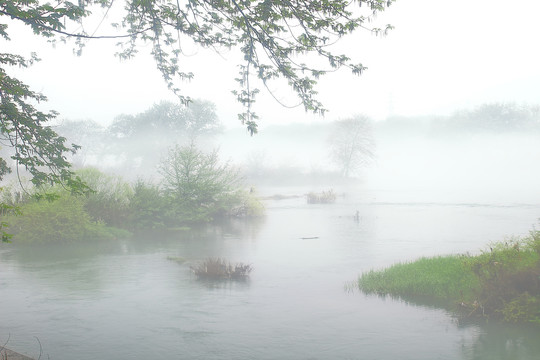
[[524, 308], [197, 185], [533, 241], [111, 198], [248, 206], [148, 207], [505, 272], [62, 220]]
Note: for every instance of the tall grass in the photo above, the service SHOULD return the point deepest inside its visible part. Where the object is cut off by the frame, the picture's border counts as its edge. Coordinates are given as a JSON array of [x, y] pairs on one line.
[[440, 277]]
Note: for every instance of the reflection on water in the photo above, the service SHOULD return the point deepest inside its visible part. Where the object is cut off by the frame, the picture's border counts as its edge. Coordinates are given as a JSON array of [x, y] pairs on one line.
[[125, 299]]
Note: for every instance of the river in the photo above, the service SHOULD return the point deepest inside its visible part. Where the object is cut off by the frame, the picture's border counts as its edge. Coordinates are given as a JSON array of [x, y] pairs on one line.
[[127, 300]]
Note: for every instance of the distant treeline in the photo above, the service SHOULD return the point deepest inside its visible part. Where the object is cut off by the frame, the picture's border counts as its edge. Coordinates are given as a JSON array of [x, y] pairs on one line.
[[295, 153], [486, 118]]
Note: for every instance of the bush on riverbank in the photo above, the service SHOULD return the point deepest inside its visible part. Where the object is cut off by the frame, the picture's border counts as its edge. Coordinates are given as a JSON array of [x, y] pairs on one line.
[[110, 199], [114, 204], [62, 220], [503, 282], [247, 206]]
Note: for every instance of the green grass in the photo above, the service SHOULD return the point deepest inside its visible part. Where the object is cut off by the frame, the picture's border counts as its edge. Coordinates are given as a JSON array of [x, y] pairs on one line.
[[440, 277], [502, 282]]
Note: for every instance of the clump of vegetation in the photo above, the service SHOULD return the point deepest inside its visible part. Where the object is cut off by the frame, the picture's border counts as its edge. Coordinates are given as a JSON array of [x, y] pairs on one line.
[[221, 269], [61, 220], [502, 282], [148, 207], [249, 206], [200, 188], [196, 188], [324, 197], [110, 200], [509, 275]]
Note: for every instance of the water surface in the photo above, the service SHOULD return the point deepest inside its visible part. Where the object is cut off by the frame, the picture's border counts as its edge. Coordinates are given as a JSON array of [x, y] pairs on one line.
[[126, 300]]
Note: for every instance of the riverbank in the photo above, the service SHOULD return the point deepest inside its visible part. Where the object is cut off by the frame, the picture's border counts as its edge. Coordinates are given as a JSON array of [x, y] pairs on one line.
[[502, 282]]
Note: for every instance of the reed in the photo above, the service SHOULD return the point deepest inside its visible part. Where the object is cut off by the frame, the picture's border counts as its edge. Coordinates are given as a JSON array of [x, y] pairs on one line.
[[221, 269]]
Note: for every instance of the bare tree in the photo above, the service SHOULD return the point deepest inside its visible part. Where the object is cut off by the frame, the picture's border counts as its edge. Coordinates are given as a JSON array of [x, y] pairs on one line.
[[351, 143]]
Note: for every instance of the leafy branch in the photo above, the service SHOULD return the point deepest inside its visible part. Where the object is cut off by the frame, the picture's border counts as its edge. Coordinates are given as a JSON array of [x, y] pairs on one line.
[[272, 36], [37, 147]]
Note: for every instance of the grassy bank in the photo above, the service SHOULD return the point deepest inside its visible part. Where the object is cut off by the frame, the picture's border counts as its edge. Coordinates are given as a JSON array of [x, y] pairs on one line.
[[501, 282]]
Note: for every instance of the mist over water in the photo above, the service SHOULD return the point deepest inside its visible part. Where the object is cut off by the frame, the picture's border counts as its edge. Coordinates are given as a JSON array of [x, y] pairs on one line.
[[414, 161], [435, 185], [425, 193], [124, 299], [494, 169]]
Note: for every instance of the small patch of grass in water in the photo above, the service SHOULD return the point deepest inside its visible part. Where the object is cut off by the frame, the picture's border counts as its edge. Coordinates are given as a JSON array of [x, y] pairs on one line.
[[221, 269]]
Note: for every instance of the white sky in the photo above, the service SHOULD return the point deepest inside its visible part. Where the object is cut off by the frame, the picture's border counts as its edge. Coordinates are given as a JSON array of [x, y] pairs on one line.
[[443, 55]]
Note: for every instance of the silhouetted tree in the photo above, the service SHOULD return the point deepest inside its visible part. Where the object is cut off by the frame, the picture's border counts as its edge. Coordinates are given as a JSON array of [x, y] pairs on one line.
[[90, 136], [169, 119], [351, 143]]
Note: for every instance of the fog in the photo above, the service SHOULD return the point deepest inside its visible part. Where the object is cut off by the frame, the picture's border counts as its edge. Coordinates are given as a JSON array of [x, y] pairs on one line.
[[445, 162], [430, 189], [441, 57], [466, 157], [458, 167]]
